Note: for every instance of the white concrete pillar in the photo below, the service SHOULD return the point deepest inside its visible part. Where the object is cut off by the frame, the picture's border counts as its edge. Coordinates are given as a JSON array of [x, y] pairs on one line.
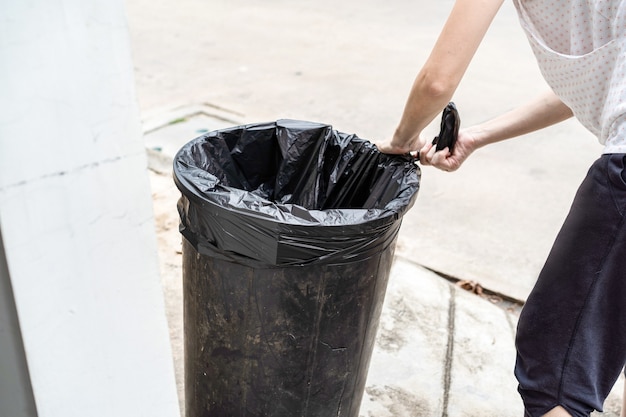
[[88, 331]]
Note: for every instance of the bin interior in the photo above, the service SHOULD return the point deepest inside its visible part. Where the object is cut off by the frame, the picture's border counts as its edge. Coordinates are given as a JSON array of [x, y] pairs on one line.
[[302, 163]]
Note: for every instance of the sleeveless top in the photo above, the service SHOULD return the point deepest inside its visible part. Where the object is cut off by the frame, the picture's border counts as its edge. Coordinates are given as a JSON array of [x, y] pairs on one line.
[[580, 46]]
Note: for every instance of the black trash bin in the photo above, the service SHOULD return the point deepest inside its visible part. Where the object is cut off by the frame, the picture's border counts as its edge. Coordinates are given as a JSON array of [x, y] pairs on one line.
[[289, 230]]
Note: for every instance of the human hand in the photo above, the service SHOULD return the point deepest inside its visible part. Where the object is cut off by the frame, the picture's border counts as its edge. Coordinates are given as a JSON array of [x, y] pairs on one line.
[[391, 147], [446, 160]]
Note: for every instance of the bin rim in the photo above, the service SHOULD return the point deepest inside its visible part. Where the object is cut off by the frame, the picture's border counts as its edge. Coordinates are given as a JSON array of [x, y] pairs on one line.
[[330, 217], [370, 216]]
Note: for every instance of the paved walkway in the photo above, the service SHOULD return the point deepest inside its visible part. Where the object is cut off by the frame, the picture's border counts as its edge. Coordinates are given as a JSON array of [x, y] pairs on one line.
[[441, 351], [350, 64]]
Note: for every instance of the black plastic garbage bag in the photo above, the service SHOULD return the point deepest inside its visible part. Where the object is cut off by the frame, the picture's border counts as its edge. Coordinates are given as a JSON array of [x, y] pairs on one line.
[[291, 193], [289, 232], [448, 128]]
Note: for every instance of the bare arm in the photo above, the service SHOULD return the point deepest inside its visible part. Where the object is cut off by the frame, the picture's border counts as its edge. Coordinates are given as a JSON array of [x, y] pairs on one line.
[[543, 111], [441, 74]]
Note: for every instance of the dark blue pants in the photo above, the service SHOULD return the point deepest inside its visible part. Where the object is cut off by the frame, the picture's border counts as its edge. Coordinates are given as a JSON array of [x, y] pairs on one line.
[[571, 336]]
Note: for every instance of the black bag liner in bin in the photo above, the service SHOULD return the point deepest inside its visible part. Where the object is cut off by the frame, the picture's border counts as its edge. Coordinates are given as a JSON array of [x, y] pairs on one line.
[[289, 237], [291, 193]]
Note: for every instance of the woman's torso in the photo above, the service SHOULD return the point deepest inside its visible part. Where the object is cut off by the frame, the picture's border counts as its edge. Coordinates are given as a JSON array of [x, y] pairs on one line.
[[580, 47]]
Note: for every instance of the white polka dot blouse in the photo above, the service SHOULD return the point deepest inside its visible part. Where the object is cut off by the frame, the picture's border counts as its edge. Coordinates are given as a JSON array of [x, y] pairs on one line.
[[580, 46]]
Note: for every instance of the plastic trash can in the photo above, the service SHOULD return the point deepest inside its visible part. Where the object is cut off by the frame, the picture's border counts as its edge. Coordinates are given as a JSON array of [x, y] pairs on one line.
[[289, 230]]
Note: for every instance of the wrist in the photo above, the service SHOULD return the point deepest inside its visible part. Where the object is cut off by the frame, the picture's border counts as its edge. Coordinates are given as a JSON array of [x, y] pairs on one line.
[[477, 136], [406, 142]]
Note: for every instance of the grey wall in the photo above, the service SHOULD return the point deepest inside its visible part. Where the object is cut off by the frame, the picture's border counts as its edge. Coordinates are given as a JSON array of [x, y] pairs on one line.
[[16, 394]]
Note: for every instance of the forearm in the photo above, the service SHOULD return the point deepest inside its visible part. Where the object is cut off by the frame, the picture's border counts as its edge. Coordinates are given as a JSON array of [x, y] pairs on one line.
[[424, 103], [444, 69], [539, 113]]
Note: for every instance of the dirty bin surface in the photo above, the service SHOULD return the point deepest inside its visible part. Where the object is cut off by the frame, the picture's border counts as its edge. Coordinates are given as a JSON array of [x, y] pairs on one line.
[[289, 230]]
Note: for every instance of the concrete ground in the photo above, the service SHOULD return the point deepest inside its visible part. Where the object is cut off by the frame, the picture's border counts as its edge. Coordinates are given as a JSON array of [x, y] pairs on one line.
[[350, 64]]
